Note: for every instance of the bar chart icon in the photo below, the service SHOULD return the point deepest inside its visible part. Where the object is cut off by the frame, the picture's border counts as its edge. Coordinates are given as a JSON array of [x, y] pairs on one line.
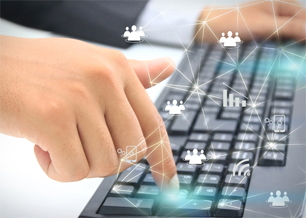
[[231, 100]]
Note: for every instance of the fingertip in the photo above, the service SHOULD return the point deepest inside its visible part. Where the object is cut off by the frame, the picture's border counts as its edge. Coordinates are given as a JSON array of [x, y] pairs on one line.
[[43, 158], [171, 187], [165, 66]]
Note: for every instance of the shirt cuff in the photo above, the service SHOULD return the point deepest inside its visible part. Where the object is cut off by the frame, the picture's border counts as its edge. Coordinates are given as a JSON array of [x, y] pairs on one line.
[[168, 27]]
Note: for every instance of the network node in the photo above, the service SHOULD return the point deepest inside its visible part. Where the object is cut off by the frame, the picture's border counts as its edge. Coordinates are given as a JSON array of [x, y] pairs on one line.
[[271, 145]]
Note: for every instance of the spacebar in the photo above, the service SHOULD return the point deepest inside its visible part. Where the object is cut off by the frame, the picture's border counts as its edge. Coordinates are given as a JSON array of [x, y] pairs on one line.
[[127, 206]]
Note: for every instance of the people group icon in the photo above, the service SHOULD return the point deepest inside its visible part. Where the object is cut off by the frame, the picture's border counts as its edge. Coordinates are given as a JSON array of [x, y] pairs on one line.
[[175, 109], [195, 158], [135, 35], [229, 41], [278, 201]]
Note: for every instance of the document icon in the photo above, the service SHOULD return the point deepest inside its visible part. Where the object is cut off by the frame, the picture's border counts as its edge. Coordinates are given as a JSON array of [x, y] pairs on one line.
[[131, 153]]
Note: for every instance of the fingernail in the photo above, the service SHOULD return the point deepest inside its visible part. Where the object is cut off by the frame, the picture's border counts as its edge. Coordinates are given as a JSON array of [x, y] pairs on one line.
[[172, 187]]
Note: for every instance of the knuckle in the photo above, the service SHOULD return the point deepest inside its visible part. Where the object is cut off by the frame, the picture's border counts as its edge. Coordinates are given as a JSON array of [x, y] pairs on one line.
[[108, 169], [78, 174], [110, 165], [119, 57], [53, 109], [79, 90], [103, 74]]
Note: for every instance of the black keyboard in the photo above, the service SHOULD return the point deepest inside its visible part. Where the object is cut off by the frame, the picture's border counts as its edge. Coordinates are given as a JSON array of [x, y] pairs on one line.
[[228, 135]]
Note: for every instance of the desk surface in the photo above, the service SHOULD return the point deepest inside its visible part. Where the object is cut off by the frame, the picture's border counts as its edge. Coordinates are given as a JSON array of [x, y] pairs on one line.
[[25, 191]]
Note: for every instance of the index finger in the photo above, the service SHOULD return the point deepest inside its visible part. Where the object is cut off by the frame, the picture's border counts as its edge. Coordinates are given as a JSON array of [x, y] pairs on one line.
[[159, 154]]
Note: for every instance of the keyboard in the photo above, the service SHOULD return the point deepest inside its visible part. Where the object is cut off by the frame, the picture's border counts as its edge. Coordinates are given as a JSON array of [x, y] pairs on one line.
[[253, 148]]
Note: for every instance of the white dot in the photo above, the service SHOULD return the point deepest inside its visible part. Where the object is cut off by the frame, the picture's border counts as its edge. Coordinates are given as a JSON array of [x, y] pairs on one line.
[[271, 145], [204, 22], [253, 105]]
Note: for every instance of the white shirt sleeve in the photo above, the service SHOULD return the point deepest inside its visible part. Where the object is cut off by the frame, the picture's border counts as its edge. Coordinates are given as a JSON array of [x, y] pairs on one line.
[[168, 26]]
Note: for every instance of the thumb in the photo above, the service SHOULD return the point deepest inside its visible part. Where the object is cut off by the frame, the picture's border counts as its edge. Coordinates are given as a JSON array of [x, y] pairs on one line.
[[152, 72]]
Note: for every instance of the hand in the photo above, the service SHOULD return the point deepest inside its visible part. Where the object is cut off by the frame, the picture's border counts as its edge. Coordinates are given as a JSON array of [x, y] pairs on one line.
[[79, 103], [255, 20]]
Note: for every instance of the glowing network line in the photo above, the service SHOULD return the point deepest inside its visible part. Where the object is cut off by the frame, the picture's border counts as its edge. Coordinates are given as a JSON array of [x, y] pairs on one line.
[[200, 92]]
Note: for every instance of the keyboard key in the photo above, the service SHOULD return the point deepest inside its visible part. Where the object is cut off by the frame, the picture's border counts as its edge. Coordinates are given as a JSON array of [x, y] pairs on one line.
[[182, 124], [204, 192], [252, 127], [230, 168], [217, 157], [183, 155], [245, 146], [248, 112], [195, 145], [182, 193], [241, 181], [280, 111], [229, 208], [211, 110], [176, 207], [233, 192], [127, 206], [199, 137], [147, 191], [223, 137], [219, 146], [185, 168], [132, 174], [282, 103], [230, 115], [165, 115], [175, 158], [253, 119], [213, 102], [122, 190], [270, 158], [274, 147], [247, 137], [212, 124], [192, 106], [149, 179], [185, 180], [177, 143], [281, 95], [213, 168], [207, 179], [277, 137], [175, 148], [242, 155], [178, 140], [232, 109]]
